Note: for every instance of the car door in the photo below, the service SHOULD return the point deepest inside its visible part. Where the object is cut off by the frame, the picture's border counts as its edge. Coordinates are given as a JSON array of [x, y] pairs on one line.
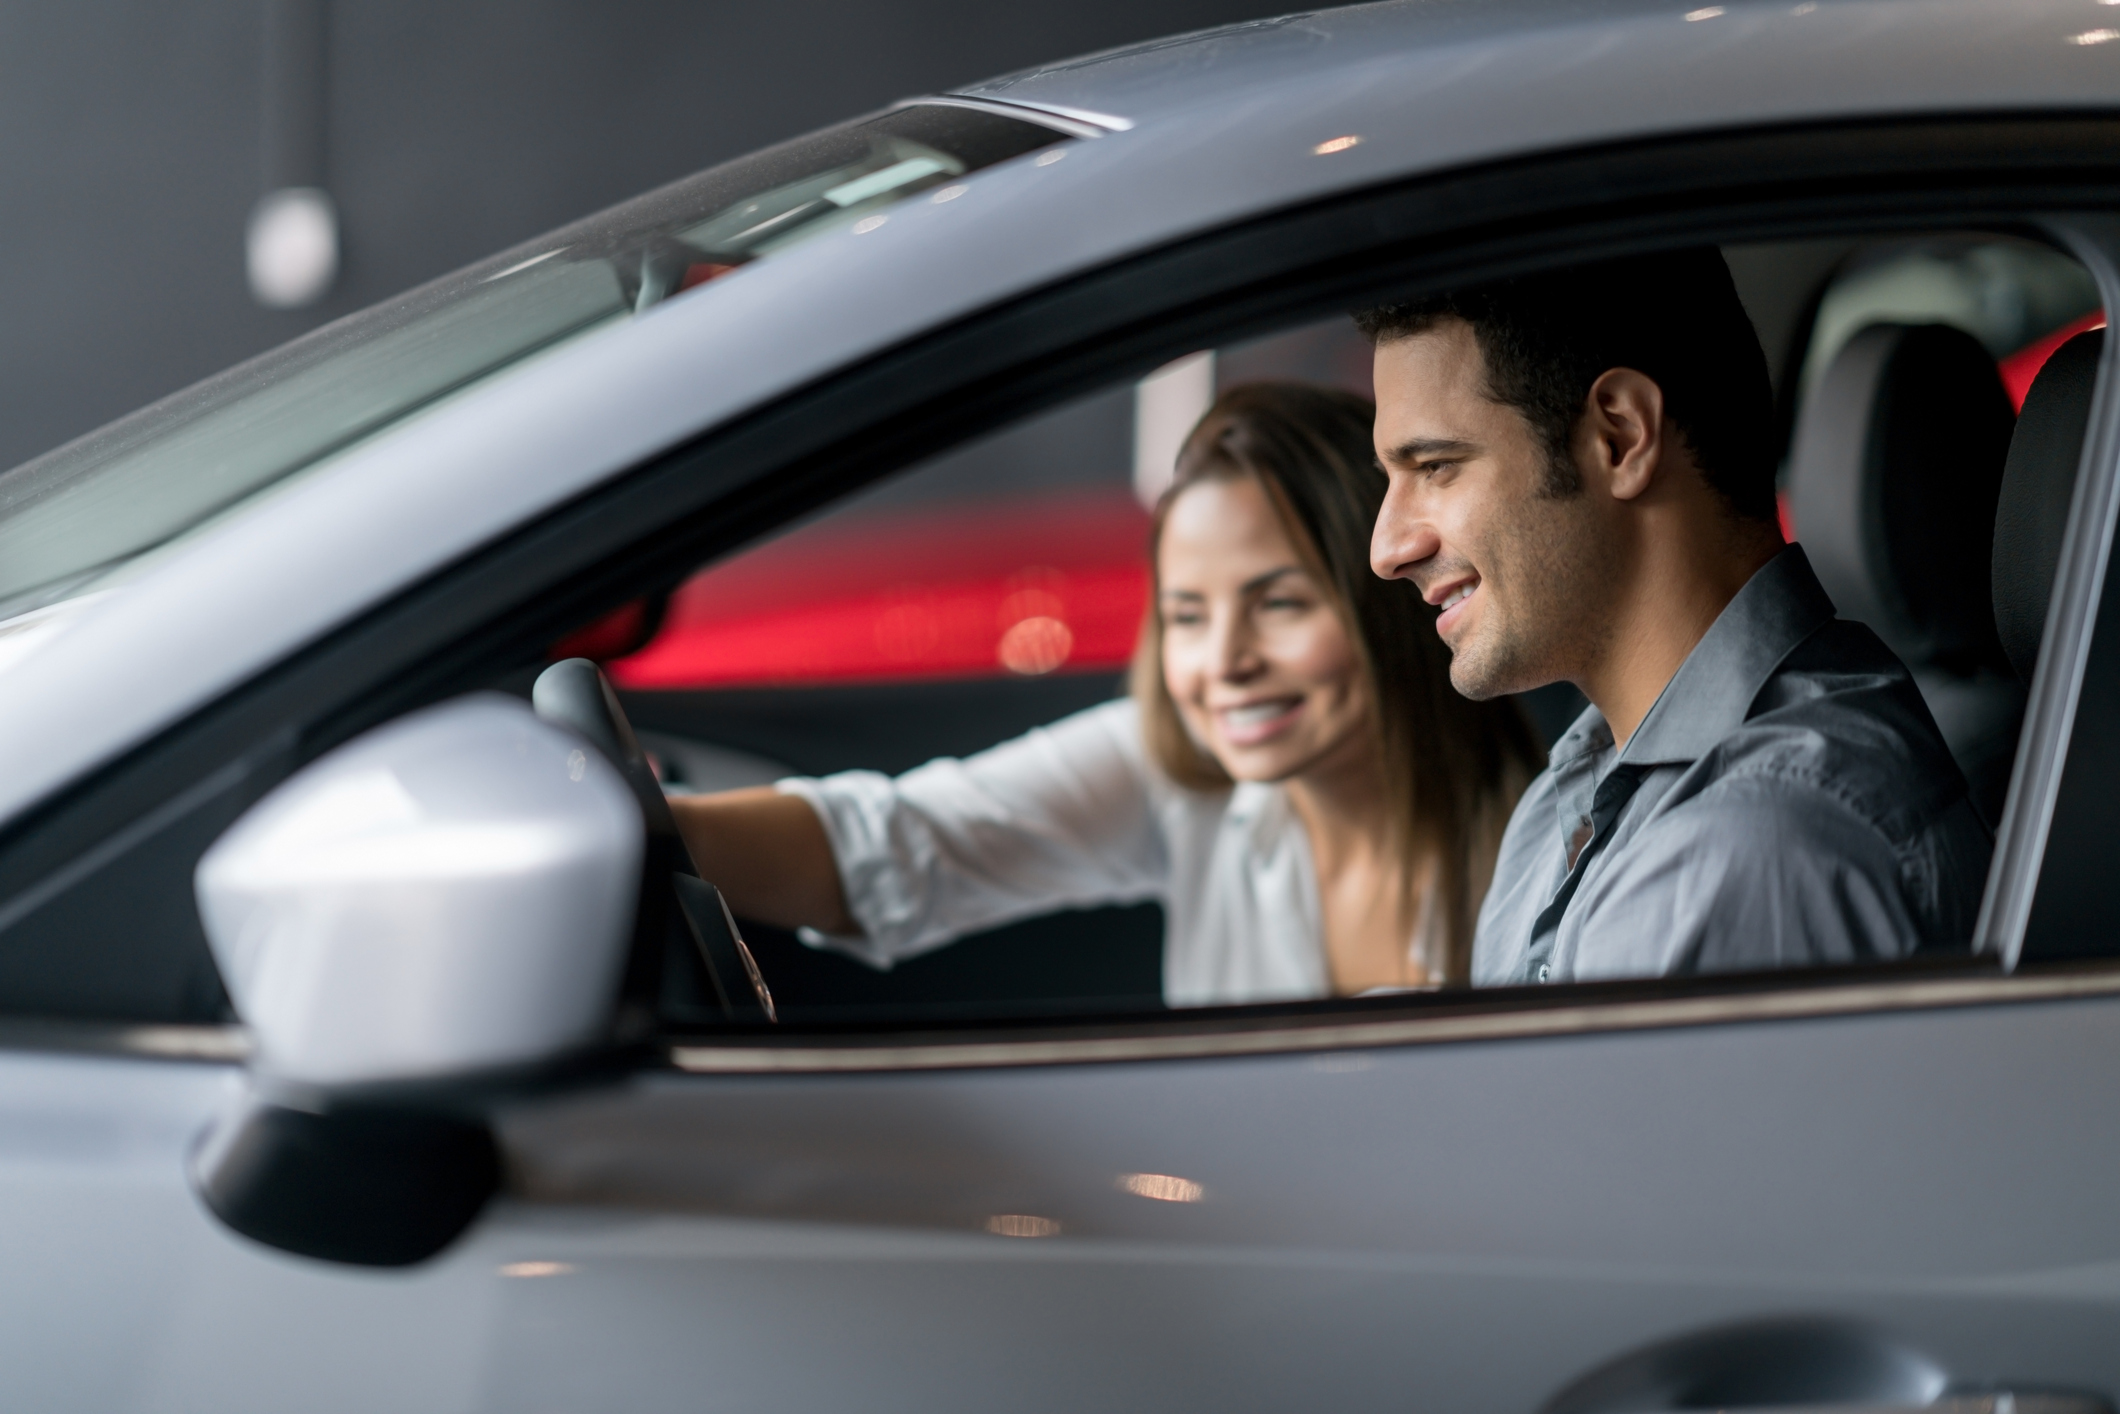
[[1822, 1188], [1828, 1189], [1912, 1181]]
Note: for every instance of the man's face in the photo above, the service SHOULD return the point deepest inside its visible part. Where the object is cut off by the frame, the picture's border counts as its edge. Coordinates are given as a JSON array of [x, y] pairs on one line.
[[1471, 519]]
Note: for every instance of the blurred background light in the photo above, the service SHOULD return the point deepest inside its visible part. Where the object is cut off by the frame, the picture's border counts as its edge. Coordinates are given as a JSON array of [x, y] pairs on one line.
[[293, 248]]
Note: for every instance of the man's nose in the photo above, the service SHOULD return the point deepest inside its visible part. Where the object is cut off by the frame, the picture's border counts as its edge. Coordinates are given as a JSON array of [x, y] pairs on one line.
[[1404, 538]]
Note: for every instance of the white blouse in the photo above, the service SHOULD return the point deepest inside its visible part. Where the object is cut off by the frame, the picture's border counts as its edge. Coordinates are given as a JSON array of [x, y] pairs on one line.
[[1073, 815]]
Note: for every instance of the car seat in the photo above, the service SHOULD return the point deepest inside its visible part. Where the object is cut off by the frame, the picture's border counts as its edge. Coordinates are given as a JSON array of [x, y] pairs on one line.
[[2036, 487], [1895, 471]]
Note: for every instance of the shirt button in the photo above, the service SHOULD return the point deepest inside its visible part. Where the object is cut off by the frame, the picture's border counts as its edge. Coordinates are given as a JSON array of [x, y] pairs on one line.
[[1545, 970]]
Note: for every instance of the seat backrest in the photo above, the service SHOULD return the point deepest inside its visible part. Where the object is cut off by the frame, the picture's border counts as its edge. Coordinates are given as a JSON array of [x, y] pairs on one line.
[[2037, 484], [1895, 470], [1894, 476]]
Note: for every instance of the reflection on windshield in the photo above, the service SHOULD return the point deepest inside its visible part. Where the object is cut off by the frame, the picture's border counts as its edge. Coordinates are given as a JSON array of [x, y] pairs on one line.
[[112, 496], [72, 516]]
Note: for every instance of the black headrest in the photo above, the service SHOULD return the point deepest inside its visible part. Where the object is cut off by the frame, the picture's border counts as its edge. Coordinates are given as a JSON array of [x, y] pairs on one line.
[[1894, 472], [2036, 488]]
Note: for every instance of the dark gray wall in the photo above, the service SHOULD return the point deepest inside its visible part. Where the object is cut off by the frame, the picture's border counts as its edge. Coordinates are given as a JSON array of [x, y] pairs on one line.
[[130, 147]]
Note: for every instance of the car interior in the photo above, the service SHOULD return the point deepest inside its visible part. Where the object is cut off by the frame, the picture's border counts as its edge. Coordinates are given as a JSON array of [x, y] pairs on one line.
[[1933, 390]]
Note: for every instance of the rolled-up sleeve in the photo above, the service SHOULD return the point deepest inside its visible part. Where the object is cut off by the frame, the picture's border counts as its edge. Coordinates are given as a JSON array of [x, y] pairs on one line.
[[1060, 817]]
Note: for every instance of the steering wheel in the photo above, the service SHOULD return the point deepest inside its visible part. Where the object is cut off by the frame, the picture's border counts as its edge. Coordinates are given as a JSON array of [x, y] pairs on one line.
[[687, 955]]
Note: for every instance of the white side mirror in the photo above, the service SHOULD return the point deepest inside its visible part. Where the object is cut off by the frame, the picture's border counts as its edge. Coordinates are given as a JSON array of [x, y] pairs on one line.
[[451, 892], [400, 922]]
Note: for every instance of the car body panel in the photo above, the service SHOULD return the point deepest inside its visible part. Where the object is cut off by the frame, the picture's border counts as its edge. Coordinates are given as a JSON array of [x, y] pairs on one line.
[[1461, 1226], [1465, 1227], [1231, 136], [123, 1292]]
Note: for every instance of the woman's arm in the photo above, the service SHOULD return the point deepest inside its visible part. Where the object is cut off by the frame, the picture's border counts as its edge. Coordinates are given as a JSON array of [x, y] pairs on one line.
[[1059, 817], [768, 855]]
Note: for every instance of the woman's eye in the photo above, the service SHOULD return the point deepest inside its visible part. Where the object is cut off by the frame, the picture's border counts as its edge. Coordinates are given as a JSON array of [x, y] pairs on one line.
[[1182, 618], [1286, 603]]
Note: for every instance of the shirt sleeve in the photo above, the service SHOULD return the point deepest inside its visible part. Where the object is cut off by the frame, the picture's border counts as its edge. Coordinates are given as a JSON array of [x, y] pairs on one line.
[[1060, 817], [1752, 874]]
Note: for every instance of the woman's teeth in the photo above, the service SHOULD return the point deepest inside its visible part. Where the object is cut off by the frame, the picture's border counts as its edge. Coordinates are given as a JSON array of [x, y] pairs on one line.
[[1458, 596], [1254, 713]]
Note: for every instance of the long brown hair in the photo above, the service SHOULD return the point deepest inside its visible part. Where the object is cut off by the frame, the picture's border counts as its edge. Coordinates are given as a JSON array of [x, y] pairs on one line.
[[1454, 767]]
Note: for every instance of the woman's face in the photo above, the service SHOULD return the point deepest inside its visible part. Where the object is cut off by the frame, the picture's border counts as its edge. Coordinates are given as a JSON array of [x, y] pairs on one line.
[[1263, 671]]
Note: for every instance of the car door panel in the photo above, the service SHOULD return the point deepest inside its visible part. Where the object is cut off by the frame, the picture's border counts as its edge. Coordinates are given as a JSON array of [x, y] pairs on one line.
[[121, 1292], [1466, 1226], [93, 1218]]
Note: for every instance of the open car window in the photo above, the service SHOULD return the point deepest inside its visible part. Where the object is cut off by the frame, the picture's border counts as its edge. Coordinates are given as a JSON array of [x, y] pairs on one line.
[[1002, 587]]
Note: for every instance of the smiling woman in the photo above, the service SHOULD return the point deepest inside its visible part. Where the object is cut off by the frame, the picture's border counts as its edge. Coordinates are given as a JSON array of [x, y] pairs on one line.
[[1291, 777], [1276, 655]]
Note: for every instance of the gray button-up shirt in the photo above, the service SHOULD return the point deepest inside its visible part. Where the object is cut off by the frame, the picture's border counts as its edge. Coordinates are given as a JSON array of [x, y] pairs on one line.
[[1787, 802]]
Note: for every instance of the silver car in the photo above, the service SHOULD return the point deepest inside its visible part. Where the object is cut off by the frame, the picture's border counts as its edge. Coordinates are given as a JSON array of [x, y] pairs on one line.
[[347, 1061]]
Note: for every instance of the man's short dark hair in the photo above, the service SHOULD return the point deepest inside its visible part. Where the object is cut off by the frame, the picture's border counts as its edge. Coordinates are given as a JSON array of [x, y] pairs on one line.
[[1673, 316]]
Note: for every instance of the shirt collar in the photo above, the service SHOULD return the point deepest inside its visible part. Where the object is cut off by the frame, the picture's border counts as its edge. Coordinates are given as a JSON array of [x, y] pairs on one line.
[[1260, 812], [1707, 698]]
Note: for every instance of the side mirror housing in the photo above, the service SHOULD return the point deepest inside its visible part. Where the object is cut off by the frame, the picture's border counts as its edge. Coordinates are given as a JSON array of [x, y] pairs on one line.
[[444, 898], [450, 892]]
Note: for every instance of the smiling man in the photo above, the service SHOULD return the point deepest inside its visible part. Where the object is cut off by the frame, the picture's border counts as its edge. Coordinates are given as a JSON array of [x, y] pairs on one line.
[[1582, 480]]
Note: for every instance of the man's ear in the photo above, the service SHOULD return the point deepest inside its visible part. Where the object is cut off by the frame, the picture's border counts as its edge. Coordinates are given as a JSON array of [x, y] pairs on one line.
[[1621, 436]]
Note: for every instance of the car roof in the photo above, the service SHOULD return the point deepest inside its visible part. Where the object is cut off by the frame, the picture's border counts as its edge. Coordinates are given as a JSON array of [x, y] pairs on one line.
[[1210, 129], [1446, 81]]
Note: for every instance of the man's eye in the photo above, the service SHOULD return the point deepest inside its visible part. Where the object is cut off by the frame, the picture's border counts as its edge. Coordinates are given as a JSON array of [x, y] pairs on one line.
[[1182, 618]]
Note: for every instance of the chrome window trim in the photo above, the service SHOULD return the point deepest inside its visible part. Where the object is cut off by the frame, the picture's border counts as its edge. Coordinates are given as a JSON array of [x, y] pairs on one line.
[[1928, 993], [228, 1045], [2071, 622], [1110, 122], [1073, 122]]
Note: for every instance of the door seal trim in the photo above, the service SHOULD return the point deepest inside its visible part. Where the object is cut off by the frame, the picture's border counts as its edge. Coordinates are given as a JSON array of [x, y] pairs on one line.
[[1161, 1043]]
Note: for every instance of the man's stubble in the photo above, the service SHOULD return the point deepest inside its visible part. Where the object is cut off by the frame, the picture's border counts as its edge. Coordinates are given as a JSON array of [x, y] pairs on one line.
[[1549, 572]]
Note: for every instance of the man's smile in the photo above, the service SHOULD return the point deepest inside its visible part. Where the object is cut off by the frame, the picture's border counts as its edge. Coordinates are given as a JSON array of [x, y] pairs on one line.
[[1451, 596]]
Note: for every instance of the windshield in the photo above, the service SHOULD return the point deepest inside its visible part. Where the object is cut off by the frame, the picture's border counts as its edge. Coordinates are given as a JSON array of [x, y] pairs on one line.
[[72, 517]]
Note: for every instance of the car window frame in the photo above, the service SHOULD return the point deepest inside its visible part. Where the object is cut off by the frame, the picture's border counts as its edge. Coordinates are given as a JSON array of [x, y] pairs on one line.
[[2081, 584], [472, 621]]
